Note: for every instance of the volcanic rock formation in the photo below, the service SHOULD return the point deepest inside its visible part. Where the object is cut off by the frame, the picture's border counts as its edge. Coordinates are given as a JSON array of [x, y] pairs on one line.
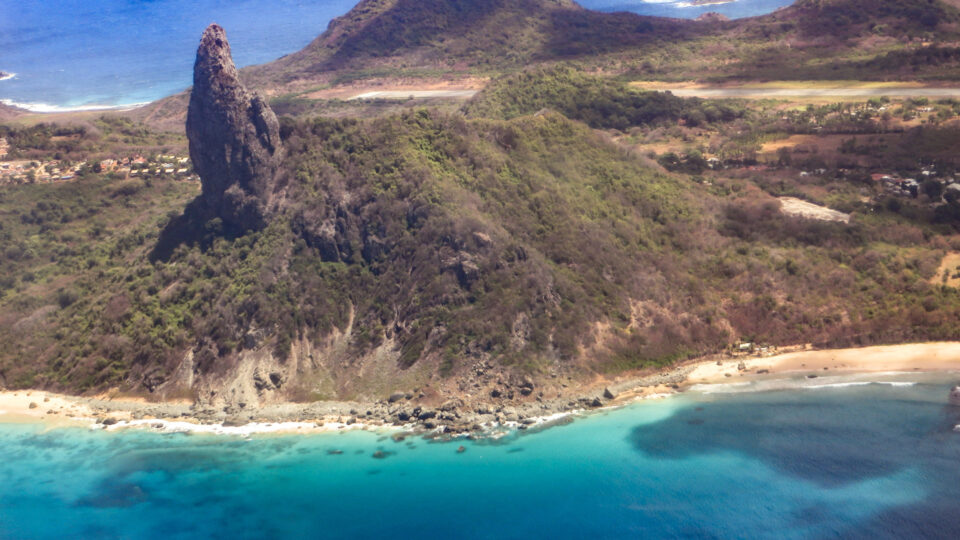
[[234, 138]]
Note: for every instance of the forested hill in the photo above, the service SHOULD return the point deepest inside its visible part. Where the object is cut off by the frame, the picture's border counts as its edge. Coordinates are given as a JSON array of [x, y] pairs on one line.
[[433, 250], [451, 250]]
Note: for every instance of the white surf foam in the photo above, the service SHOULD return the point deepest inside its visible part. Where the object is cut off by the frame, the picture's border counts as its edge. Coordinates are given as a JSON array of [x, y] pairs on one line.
[[836, 385], [860, 383], [46, 108], [819, 383], [721, 388], [8, 76], [254, 428]]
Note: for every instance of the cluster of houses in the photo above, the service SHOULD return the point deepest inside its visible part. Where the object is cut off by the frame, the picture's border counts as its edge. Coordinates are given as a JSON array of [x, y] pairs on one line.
[[893, 184], [49, 172], [36, 172], [164, 165]]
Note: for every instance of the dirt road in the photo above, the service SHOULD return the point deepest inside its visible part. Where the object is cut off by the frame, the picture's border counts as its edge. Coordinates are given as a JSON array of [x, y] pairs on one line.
[[774, 93], [405, 94]]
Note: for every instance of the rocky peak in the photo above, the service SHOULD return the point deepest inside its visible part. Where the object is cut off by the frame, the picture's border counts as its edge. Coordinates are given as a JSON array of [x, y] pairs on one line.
[[234, 138]]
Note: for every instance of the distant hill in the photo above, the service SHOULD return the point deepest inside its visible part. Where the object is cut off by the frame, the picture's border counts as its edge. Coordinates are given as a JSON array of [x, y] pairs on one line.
[[435, 38], [429, 40], [7, 112], [452, 35]]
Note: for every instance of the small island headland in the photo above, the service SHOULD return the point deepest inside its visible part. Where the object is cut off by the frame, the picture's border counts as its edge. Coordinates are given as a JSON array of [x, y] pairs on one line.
[[5, 75]]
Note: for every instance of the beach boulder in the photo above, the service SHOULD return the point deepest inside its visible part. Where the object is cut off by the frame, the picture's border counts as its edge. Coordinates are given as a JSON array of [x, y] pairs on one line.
[[955, 396]]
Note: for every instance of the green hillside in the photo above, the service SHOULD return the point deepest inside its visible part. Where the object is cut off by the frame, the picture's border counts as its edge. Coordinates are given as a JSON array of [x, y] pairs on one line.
[[598, 102], [439, 242]]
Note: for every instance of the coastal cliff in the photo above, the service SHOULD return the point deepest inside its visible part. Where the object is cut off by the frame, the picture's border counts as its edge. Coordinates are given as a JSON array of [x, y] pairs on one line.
[[234, 138]]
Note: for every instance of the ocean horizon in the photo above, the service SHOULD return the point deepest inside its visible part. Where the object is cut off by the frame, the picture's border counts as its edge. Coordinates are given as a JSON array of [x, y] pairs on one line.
[[101, 54], [875, 458]]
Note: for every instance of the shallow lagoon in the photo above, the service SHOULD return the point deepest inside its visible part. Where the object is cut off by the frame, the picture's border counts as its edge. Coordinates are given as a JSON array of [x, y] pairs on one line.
[[872, 460]]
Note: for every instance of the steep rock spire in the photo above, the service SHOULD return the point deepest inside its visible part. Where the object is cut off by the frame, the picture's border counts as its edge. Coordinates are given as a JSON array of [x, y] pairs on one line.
[[234, 138]]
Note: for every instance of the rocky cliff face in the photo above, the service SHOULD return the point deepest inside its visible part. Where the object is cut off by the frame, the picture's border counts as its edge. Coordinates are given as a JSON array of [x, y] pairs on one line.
[[234, 138]]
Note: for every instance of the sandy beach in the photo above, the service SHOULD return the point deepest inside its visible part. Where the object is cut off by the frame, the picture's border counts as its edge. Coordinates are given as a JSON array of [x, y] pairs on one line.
[[31, 406], [941, 356], [54, 410]]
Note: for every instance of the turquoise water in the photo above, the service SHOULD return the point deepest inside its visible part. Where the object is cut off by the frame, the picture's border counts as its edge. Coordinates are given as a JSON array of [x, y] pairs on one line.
[[863, 461], [86, 53]]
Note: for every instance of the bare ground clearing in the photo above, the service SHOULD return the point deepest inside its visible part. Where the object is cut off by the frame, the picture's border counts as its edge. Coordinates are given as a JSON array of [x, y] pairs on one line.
[[800, 208], [949, 272]]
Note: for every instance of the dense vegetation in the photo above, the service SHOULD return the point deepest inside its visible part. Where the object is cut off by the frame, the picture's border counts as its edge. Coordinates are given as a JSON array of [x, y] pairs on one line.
[[61, 246], [76, 141], [600, 103], [529, 242]]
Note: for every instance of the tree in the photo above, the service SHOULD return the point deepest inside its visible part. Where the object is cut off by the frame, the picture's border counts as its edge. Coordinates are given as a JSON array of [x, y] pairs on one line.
[[784, 159], [932, 188]]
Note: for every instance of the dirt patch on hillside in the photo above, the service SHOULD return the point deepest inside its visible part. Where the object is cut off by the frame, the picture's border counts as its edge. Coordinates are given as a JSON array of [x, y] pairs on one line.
[[398, 85], [949, 272], [800, 208]]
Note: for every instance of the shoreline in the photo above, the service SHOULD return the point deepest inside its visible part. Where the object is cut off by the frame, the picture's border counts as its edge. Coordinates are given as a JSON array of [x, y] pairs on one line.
[[457, 420], [4, 76], [45, 108], [912, 357]]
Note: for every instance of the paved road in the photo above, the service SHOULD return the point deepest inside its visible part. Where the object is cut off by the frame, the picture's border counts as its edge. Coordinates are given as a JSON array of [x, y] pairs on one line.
[[813, 92], [405, 94]]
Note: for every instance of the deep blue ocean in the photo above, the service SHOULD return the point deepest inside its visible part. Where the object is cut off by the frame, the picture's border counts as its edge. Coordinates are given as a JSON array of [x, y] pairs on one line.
[[88, 53], [836, 461]]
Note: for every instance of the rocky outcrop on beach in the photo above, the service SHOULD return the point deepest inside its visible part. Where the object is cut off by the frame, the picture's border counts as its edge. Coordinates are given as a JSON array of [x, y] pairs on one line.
[[234, 138], [955, 396]]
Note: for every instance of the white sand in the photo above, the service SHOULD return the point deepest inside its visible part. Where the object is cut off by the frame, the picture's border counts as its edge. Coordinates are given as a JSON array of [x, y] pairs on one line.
[[941, 356]]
